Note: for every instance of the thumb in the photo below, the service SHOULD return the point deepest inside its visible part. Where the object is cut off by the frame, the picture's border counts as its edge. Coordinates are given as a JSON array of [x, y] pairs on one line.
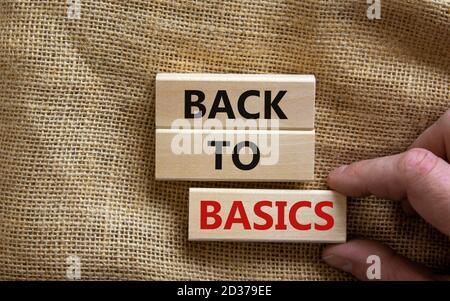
[[416, 175], [370, 260]]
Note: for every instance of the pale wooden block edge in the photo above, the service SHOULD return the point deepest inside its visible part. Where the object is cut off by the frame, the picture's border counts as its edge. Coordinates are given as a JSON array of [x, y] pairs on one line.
[[336, 194]]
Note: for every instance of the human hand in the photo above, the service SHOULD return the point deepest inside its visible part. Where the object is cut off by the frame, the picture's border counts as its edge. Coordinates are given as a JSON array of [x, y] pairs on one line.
[[420, 179]]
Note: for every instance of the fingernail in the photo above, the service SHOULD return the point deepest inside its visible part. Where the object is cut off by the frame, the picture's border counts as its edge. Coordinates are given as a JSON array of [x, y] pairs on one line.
[[334, 174], [338, 262], [341, 169]]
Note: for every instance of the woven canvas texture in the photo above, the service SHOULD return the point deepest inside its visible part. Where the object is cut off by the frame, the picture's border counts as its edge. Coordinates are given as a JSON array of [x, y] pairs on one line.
[[77, 131]]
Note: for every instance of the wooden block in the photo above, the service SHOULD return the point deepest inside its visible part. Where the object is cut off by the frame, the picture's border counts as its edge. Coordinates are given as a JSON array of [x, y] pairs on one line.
[[267, 215], [251, 155], [235, 101]]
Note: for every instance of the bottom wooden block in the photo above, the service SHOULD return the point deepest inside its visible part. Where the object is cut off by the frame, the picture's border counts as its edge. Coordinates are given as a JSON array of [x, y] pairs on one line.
[[267, 215]]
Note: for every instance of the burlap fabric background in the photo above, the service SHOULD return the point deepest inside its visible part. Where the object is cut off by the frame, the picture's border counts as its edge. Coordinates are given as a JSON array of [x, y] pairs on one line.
[[77, 126]]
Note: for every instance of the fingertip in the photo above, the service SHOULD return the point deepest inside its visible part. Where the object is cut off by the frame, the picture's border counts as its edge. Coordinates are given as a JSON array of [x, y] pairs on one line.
[[348, 180], [328, 250], [339, 262], [348, 257], [334, 175], [339, 256]]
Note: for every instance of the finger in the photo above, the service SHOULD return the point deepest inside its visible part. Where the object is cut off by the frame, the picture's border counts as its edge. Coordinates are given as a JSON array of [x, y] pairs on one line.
[[436, 138], [417, 175], [369, 260]]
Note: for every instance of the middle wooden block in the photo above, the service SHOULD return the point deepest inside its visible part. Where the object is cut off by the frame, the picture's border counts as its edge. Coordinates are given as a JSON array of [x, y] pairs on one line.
[[227, 155]]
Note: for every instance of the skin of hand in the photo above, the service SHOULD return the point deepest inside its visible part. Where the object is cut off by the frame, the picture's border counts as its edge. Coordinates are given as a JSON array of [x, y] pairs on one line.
[[420, 179]]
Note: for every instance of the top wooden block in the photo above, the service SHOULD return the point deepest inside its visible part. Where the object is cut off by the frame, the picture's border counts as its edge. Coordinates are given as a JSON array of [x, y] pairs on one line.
[[235, 101]]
